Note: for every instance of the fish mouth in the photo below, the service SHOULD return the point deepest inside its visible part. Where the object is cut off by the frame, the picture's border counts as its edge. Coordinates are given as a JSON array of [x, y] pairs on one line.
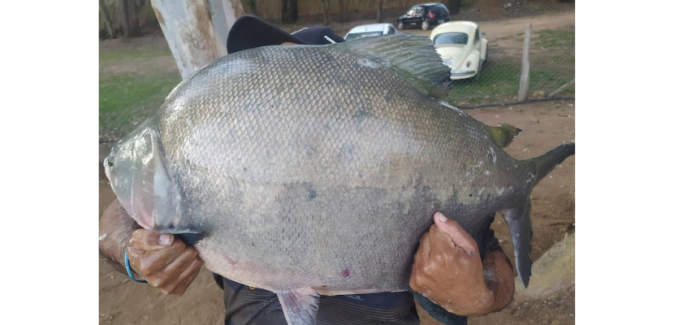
[[109, 161], [107, 166]]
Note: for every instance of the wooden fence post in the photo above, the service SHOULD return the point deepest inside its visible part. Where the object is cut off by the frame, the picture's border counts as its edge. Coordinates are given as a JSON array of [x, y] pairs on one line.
[[196, 30], [524, 77]]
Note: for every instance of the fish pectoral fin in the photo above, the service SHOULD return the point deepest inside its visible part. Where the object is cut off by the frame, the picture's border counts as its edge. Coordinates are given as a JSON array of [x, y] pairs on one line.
[[519, 223], [299, 306], [191, 238], [504, 134]]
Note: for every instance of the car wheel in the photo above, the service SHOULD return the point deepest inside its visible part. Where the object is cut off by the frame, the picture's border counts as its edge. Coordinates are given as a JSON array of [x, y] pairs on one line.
[[401, 25], [425, 25]]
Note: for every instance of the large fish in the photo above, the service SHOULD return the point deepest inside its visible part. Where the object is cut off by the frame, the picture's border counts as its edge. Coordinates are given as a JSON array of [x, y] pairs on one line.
[[314, 170]]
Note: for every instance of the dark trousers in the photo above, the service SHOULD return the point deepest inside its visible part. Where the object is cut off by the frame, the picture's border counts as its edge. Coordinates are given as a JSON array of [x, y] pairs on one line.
[[251, 306]]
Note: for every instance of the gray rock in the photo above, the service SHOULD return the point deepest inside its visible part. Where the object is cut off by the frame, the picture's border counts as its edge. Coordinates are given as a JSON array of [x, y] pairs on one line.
[[554, 271]]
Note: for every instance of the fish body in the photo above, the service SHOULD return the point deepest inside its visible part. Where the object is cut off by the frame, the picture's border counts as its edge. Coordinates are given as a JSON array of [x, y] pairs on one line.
[[314, 170]]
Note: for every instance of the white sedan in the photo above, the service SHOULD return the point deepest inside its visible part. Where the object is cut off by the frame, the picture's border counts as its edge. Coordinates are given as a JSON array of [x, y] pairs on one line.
[[461, 47], [369, 31]]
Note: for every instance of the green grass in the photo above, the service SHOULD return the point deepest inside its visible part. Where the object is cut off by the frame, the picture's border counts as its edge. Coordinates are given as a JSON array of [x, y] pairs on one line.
[[556, 38], [467, 4], [125, 100], [564, 59], [552, 65], [138, 53], [499, 83], [118, 91], [496, 80]]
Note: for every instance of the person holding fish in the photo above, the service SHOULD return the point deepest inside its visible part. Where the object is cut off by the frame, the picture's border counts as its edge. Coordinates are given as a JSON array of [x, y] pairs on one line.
[[448, 270]]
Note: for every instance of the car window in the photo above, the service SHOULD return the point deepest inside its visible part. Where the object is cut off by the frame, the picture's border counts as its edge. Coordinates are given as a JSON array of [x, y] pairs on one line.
[[354, 36], [450, 39], [391, 30], [477, 36], [415, 10]]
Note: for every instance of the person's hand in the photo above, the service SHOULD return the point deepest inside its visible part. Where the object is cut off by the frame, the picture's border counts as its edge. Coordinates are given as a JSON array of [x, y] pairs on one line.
[[163, 260], [448, 270]]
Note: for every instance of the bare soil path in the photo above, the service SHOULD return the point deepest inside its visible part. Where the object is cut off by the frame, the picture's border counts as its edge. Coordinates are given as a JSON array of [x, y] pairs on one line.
[[509, 27]]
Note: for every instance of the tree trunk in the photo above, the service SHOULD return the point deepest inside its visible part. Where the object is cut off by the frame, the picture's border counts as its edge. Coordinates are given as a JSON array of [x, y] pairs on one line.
[[289, 11], [379, 11], [284, 9], [106, 18], [252, 4], [195, 30], [127, 16], [454, 6], [341, 11], [121, 20], [132, 19], [326, 12], [237, 7]]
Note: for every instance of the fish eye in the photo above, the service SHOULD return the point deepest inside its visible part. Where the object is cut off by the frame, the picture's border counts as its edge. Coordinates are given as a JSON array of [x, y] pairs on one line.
[[109, 162]]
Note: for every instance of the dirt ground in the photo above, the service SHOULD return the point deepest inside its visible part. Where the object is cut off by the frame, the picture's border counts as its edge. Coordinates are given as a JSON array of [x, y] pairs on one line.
[[482, 11], [508, 27], [545, 125]]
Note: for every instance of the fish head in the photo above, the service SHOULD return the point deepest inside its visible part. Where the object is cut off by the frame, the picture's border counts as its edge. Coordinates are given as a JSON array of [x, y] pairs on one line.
[[138, 175]]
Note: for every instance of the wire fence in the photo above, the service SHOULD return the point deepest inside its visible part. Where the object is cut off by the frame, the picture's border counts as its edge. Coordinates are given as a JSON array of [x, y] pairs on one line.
[[133, 83], [551, 66]]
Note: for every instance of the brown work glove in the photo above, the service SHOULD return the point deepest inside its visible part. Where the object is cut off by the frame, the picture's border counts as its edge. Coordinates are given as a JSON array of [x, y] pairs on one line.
[[448, 270], [163, 260]]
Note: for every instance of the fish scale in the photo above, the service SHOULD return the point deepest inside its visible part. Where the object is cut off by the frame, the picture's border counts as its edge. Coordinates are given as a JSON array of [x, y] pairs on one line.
[[310, 170]]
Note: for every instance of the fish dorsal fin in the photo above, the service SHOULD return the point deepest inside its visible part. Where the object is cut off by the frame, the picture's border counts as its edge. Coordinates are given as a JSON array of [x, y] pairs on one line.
[[414, 56], [503, 134], [299, 306]]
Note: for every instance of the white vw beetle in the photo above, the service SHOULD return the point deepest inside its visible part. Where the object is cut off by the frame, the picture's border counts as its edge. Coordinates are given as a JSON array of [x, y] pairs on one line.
[[461, 47]]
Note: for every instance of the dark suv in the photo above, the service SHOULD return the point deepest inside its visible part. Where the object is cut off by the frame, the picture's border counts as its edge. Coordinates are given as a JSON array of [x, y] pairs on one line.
[[424, 15]]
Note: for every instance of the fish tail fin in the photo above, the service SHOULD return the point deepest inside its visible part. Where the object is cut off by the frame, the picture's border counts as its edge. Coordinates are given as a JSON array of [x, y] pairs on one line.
[[519, 218], [521, 231], [547, 162]]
